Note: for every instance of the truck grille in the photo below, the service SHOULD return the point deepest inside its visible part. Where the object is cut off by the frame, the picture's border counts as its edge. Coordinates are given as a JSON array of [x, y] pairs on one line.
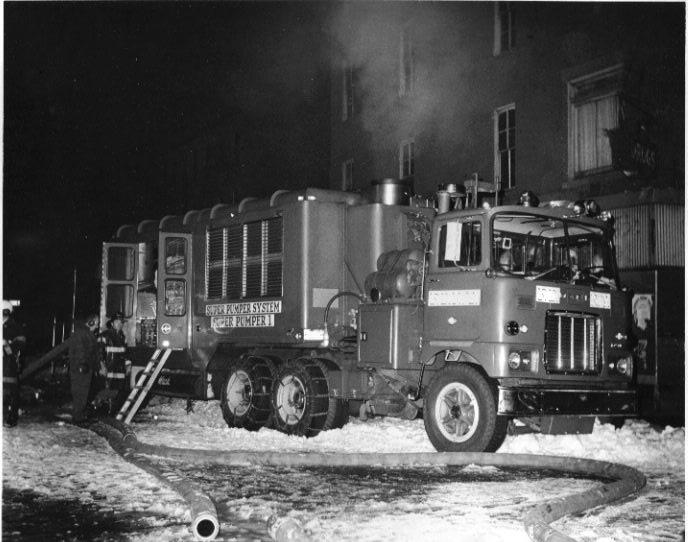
[[573, 343]]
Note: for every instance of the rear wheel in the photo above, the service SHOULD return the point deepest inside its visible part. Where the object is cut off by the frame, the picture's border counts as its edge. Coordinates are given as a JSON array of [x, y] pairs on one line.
[[460, 412], [301, 399], [338, 414], [246, 393]]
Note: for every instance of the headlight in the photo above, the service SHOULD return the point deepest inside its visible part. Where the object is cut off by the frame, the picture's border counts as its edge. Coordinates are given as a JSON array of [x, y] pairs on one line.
[[514, 360], [625, 366]]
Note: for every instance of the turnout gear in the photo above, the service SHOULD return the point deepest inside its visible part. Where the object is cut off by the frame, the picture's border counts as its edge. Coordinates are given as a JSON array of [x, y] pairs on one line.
[[117, 367], [84, 362], [13, 340]]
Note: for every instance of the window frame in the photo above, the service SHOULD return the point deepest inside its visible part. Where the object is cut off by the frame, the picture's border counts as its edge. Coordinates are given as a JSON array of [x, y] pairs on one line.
[[178, 266], [407, 68], [499, 45], [348, 174], [511, 181], [410, 145], [348, 95], [610, 79], [469, 228]]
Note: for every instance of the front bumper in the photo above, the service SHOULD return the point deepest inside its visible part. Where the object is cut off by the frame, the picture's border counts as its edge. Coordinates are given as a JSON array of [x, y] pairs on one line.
[[524, 401]]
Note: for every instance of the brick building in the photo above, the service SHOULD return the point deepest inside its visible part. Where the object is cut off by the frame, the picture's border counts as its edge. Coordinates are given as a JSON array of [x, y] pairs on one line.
[[569, 100]]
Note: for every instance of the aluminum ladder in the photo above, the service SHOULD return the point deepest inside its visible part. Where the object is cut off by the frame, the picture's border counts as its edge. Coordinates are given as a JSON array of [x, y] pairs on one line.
[[143, 385]]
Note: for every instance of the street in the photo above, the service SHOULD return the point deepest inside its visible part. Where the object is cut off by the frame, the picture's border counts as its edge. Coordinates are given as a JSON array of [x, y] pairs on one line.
[[62, 482]]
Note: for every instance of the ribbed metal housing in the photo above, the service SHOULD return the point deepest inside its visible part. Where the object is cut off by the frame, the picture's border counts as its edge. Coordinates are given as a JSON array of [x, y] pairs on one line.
[[573, 343], [649, 235], [245, 260]]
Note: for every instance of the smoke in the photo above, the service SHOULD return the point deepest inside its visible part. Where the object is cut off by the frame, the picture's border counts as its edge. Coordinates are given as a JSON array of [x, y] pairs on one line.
[[368, 37]]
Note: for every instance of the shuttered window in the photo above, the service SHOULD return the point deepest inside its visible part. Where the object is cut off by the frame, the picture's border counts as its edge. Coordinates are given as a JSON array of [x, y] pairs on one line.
[[245, 260]]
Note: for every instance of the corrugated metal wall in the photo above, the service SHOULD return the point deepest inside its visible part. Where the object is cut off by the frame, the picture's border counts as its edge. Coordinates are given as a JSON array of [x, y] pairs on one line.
[[649, 236], [669, 233]]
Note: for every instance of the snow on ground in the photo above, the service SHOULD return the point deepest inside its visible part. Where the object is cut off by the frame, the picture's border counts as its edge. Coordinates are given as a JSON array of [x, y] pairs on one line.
[[47, 461]]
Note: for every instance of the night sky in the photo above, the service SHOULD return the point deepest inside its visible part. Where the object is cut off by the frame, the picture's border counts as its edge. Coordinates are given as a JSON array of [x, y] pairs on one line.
[[93, 90]]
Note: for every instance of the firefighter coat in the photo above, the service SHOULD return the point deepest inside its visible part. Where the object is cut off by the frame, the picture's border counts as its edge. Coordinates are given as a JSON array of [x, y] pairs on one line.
[[84, 362], [115, 349]]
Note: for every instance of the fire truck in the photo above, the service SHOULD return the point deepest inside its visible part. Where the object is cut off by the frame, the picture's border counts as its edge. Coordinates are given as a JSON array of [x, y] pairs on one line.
[[301, 309]]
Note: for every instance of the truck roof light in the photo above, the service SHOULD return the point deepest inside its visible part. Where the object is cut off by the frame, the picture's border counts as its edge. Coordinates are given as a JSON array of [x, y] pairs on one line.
[[529, 199], [607, 216], [592, 208]]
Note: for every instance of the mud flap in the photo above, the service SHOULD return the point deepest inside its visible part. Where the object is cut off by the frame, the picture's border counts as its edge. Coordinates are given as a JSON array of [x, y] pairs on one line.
[[561, 425]]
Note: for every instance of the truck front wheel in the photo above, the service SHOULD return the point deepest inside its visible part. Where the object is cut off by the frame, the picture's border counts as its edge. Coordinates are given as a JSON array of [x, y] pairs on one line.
[[246, 393], [460, 412]]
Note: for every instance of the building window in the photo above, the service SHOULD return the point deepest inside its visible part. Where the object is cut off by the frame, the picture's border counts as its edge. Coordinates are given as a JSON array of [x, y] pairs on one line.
[[505, 35], [406, 67], [347, 92], [594, 108], [407, 158], [505, 146], [348, 175]]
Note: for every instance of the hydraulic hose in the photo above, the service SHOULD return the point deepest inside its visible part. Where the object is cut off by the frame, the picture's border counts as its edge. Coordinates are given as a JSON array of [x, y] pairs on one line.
[[536, 522]]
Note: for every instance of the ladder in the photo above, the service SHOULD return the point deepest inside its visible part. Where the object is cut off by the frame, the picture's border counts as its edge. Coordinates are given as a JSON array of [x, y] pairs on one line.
[[143, 385]]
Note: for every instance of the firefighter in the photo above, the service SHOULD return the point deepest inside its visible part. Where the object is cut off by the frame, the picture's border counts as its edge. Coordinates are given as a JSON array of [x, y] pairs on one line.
[[13, 340], [114, 391], [84, 364]]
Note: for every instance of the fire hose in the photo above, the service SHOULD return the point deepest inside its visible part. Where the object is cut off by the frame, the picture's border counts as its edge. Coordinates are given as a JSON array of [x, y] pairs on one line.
[[624, 480], [204, 524]]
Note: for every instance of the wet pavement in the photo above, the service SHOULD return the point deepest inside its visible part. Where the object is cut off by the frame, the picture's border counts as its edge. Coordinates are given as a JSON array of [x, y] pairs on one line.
[[328, 501], [31, 516]]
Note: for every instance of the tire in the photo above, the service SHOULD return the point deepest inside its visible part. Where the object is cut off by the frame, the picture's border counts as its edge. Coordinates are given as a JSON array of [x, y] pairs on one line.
[[460, 412], [618, 423], [338, 414], [246, 393], [301, 400]]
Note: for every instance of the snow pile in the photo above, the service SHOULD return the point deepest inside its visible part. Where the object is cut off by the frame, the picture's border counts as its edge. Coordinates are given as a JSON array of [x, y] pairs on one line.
[[636, 444], [60, 462]]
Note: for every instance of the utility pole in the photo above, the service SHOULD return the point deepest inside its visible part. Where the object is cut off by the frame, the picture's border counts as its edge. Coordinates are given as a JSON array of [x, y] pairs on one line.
[[74, 300]]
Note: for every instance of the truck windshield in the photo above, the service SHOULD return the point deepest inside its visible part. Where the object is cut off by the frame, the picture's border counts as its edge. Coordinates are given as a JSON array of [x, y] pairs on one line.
[[543, 248]]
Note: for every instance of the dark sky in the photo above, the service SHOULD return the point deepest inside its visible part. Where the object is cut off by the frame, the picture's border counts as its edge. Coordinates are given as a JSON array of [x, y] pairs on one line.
[[92, 89]]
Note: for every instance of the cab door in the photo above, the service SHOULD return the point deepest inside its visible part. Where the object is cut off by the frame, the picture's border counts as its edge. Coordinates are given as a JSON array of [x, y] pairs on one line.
[[119, 285], [174, 295], [453, 286]]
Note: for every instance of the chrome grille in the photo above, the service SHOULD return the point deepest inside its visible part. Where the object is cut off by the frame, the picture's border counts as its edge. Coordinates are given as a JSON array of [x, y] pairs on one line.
[[573, 343]]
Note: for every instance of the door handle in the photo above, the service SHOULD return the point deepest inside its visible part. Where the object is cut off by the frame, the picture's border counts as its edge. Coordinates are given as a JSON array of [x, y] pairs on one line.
[[433, 280]]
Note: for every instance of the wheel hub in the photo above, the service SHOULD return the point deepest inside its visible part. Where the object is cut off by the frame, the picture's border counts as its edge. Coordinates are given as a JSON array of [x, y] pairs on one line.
[[457, 412], [291, 399], [239, 393]]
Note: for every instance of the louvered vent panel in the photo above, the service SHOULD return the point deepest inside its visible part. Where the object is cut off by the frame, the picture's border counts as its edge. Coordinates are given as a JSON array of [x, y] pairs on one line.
[[245, 260], [235, 248], [215, 263]]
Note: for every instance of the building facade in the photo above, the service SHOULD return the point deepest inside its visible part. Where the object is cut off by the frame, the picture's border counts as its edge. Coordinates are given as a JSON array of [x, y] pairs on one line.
[[569, 100]]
